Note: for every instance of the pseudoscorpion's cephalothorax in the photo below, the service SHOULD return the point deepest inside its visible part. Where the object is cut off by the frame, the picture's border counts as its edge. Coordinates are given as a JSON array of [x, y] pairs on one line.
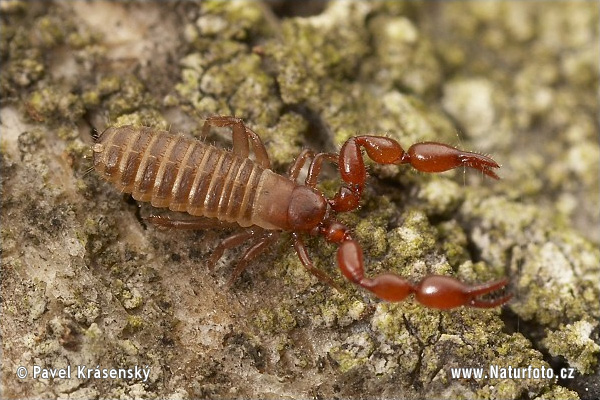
[[221, 187]]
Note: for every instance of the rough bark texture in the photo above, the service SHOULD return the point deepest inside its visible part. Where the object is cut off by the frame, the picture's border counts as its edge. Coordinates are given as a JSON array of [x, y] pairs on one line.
[[86, 283]]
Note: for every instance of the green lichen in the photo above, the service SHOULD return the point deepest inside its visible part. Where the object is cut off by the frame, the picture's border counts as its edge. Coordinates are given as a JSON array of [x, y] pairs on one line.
[[25, 47], [282, 139], [83, 310], [558, 393], [317, 52], [404, 56], [90, 98], [288, 268], [30, 142], [130, 97], [372, 238], [135, 323], [24, 64], [79, 153], [334, 310], [409, 243], [553, 258], [275, 321], [230, 21], [54, 103], [50, 30], [21, 73], [439, 341], [240, 80], [440, 198], [108, 85], [574, 343], [225, 76], [454, 242], [68, 134], [354, 352], [143, 117], [131, 299]]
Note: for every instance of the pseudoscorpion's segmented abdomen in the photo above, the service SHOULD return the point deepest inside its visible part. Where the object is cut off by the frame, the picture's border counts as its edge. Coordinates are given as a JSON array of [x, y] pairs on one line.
[[177, 172]]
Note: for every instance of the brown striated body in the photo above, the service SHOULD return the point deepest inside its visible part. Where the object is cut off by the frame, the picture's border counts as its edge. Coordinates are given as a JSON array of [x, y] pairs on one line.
[[188, 175]]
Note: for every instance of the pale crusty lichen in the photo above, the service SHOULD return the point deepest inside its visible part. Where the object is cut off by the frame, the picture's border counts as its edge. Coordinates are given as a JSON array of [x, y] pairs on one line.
[[404, 55], [227, 77], [353, 352], [356, 68], [276, 321], [574, 342], [555, 269]]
